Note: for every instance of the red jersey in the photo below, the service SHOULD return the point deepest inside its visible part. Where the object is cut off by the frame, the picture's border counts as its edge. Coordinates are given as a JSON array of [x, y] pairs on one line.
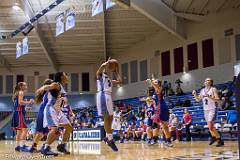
[[187, 118]]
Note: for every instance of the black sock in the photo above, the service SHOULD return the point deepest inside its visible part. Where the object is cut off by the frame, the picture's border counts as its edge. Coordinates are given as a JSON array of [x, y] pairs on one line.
[[169, 140], [34, 145]]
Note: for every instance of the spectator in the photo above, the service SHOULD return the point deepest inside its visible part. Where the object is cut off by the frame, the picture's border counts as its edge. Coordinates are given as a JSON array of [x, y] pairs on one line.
[[139, 118], [179, 103], [170, 90], [178, 82], [187, 120], [226, 95], [141, 132], [187, 103], [174, 126], [99, 123], [130, 132], [131, 117], [171, 104], [232, 117], [142, 113], [179, 90], [165, 88], [129, 108]]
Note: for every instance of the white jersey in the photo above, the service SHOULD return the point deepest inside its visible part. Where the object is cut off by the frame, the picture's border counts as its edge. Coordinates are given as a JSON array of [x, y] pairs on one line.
[[116, 124], [208, 104], [117, 117], [104, 83]]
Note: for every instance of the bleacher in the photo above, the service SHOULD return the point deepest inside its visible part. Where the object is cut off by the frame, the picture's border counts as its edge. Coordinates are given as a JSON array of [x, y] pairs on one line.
[[199, 125]]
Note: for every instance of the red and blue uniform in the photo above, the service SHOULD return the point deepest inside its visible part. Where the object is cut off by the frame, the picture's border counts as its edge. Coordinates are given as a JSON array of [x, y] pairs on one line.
[[19, 116], [39, 127], [162, 112]]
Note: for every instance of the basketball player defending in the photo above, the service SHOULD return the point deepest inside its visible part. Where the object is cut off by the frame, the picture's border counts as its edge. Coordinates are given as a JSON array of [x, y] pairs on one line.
[[117, 124], [209, 97], [162, 112], [104, 97]]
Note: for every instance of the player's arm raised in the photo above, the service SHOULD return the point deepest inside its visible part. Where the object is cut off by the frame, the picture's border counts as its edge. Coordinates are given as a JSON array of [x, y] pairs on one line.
[[155, 86], [198, 98], [101, 69]]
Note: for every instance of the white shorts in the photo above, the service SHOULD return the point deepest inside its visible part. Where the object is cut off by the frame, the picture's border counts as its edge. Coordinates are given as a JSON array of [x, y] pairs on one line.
[[116, 125], [104, 104], [53, 118], [210, 115]]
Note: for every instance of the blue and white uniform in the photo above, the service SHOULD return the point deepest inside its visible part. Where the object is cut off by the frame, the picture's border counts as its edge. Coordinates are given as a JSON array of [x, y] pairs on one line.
[[116, 124], [149, 113], [53, 116], [209, 106], [39, 127], [104, 95]]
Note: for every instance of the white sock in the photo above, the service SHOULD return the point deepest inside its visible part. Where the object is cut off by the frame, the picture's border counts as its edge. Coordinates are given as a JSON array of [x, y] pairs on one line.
[[45, 146], [109, 136], [17, 143], [21, 143]]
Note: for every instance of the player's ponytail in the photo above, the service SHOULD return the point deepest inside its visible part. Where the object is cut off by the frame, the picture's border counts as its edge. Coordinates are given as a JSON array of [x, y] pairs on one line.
[[16, 89]]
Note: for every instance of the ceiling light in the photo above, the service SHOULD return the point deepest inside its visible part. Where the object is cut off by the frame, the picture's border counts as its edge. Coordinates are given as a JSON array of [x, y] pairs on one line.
[[16, 6]]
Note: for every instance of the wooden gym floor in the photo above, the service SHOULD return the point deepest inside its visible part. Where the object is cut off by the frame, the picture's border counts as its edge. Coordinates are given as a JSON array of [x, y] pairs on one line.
[[131, 151]]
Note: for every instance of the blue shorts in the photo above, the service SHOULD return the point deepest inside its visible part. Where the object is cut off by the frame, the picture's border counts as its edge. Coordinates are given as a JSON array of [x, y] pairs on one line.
[[40, 128], [164, 114], [149, 122], [19, 120], [104, 104]]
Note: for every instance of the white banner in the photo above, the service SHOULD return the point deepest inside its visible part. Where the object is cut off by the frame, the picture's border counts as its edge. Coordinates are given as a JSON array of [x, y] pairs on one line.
[[18, 50], [75, 135], [97, 7], [89, 147], [25, 46], [86, 147], [109, 4], [60, 24], [70, 19], [89, 135]]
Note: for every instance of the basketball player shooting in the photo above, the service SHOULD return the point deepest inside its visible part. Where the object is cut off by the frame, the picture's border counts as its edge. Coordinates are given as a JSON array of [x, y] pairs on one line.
[[104, 96]]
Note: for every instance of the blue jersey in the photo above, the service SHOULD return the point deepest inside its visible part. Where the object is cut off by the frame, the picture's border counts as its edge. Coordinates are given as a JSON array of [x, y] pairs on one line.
[[39, 123], [150, 110], [162, 108], [17, 106], [44, 102], [157, 98]]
